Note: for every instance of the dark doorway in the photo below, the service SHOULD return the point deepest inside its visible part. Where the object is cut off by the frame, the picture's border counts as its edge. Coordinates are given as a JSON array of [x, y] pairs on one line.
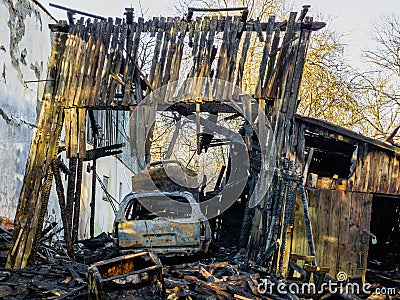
[[385, 225]]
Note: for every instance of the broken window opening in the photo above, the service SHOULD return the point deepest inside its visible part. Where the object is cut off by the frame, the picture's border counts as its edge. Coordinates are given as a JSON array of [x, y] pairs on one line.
[[332, 157]]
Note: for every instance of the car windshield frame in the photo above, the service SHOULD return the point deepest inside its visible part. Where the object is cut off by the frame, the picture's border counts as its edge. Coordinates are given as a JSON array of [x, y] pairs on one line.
[[160, 207]]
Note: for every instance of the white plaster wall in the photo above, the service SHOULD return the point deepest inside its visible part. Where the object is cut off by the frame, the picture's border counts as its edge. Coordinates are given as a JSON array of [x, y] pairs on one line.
[[118, 174], [25, 46]]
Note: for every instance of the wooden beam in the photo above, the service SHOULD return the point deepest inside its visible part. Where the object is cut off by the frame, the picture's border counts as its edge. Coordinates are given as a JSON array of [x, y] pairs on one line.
[[62, 204], [43, 150]]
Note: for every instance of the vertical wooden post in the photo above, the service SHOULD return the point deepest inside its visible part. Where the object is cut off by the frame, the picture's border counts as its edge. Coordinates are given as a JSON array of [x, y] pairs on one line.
[[77, 206], [71, 190], [93, 201], [309, 234], [61, 202], [248, 213], [43, 210], [43, 150]]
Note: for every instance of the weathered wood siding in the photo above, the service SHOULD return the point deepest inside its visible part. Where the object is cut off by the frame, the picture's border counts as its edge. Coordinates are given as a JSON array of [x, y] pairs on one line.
[[377, 171], [341, 218], [338, 219]]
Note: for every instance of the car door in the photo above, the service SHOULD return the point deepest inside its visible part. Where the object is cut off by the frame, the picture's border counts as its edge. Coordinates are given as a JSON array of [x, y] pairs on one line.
[[130, 225], [133, 234]]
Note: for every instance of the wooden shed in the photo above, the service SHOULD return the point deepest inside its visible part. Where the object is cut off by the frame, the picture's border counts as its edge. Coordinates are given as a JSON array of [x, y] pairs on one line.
[[353, 191]]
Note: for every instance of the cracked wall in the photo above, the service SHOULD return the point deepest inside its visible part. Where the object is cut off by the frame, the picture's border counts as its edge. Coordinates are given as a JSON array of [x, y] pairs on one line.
[[25, 47]]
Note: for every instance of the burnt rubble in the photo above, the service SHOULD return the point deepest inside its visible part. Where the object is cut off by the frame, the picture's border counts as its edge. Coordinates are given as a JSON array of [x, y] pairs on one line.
[[223, 273]]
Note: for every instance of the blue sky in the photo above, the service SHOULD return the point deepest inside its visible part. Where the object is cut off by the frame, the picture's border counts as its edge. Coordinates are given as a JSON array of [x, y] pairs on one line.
[[354, 18]]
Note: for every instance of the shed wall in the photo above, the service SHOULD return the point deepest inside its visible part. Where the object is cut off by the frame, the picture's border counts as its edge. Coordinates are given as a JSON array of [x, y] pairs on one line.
[[340, 209]]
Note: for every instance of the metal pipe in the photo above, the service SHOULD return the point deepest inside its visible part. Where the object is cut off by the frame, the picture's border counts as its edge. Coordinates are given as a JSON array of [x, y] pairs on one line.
[[75, 11], [217, 9]]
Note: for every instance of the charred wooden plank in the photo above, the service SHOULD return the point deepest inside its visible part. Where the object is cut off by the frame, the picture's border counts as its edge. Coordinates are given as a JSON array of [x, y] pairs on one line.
[[222, 59], [89, 79], [62, 204], [103, 152], [81, 135], [272, 56], [296, 70], [234, 41], [280, 70], [99, 75], [117, 64], [157, 82], [89, 37], [136, 80], [71, 191], [243, 57], [175, 61], [171, 50], [113, 61], [41, 154], [178, 54], [110, 45], [209, 57], [74, 133], [93, 57], [264, 59], [154, 62], [200, 63], [77, 201], [72, 61]]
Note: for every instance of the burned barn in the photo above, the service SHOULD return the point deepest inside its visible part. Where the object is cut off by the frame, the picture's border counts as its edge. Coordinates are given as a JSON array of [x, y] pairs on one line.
[[353, 197], [351, 188], [298, 199]]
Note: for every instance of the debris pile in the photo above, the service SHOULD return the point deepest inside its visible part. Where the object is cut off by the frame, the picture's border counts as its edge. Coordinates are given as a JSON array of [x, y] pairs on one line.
[[53, 274], [385, 279], [6, 228], [60, 278], [215, 281], [223, 274], [92, 250]]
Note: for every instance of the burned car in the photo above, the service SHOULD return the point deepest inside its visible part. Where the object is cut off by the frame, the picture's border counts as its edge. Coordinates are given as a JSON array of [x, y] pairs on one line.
[[166, 223]]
